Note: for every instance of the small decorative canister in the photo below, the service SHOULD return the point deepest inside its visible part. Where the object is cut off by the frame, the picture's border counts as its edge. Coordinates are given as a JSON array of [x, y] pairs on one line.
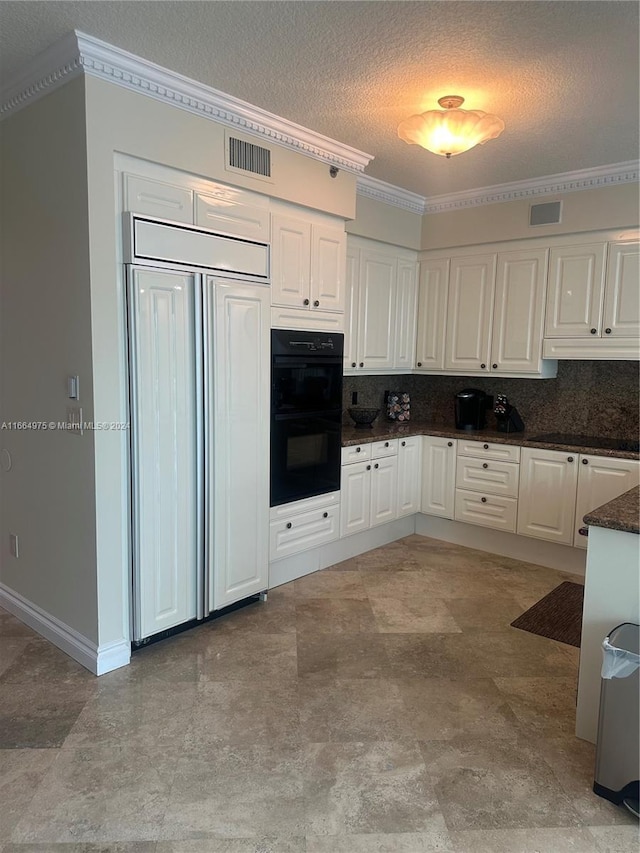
[[398, 406]]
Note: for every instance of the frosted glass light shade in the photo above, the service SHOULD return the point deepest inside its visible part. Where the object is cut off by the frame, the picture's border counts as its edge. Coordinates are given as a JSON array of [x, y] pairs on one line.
[[452, 131]]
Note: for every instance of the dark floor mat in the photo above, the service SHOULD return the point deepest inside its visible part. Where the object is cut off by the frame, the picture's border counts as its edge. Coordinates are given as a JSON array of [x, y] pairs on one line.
[[557, 616]]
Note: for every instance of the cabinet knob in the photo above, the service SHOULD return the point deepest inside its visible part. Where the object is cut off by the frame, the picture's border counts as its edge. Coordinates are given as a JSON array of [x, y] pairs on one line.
[[585, 461], [594, 331], [484, 500], [403, 443], [325, 515], [484, 465], [419, 364], [358, 449], [569, 458], [386, 444], [353, 364], [368, 467], [376, 465], [362, 364], [583, 531], [486, 446], [449, 444], [315, 303], [305, 302], [607, 331], [494, 366], [483, 366], [288, 525]]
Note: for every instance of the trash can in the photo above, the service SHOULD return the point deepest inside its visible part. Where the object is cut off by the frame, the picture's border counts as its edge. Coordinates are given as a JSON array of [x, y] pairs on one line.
[[617, 771]]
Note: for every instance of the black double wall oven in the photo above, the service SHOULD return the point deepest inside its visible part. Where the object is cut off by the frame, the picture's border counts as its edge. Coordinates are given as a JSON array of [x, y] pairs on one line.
[[306, 414]]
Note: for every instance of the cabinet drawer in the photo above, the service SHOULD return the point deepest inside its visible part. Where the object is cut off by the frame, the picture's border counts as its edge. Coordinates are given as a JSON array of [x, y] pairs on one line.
[[488, 450], [356, 453], [486, 510], [384, 448], [303, 531], [285, 511], [156, 198], [491, 476]]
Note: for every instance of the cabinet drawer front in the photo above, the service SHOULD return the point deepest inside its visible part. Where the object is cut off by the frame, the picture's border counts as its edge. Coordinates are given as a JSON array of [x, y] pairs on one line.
[[356, 453], [496, 478], [303, 531], [486, 510], [487, 450], [305, 505], [157, 198], [228, 213], [384, 448]]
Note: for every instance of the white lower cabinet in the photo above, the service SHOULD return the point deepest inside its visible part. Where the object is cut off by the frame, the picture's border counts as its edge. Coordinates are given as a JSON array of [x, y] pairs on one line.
[[547, 496], [409, 475], [438, 476], [304, 524], [487, 477], [486, 509], [600, 480], [368, 489]]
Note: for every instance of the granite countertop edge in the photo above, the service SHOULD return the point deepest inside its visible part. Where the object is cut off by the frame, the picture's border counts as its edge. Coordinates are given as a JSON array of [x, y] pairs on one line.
[[622, 513], [391, 429]]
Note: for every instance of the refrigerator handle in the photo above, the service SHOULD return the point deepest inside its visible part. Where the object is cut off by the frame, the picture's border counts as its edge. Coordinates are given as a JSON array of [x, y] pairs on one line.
[[202, 609], [206, 458]]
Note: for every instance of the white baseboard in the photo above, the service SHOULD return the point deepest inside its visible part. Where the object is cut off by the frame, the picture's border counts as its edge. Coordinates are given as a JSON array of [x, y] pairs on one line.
[[97, 660], [565, 558], [299, 565]]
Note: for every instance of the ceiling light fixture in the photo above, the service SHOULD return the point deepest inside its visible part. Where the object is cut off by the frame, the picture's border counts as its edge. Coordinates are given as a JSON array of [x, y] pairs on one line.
[[451, 130]]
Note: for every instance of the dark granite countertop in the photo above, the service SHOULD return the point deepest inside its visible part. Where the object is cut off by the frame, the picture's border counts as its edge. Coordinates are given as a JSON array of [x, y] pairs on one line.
[[622, 513], [383, 429]]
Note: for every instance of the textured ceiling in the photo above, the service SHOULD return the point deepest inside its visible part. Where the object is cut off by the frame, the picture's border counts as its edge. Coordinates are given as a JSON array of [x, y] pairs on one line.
[[564, 76]]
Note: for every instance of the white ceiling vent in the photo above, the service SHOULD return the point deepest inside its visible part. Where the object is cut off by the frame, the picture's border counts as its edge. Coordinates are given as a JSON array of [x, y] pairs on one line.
[[247, 157], [548, 213]]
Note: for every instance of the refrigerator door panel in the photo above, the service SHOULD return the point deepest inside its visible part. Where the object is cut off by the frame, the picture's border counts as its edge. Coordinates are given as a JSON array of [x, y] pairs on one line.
[[164, 435], [238, 355]]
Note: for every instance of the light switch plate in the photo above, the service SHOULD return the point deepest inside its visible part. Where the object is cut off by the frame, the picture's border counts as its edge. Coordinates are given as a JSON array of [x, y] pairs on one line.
[[74, 420]]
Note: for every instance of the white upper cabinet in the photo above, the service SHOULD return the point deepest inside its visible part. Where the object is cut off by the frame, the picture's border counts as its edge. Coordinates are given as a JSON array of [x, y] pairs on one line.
[[157, 198], [575, 291], [432, 314], [232, 211], [308, 256], [600, 480], [516, 341], [470, 306], [381, 307], [621, 316]]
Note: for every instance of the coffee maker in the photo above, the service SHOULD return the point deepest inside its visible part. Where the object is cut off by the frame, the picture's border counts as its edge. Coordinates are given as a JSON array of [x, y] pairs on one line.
[[470, 407]]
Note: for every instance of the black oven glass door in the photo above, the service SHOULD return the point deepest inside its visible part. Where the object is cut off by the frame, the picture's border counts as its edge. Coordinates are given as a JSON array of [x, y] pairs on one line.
[[305, 456], [302, 384]]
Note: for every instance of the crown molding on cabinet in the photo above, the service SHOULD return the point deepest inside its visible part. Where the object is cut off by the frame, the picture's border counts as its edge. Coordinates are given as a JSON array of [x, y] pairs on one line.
[[79, 53], [389, 194]]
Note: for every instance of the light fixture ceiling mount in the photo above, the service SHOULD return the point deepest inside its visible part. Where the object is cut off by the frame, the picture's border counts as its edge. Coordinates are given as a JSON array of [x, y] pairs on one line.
[[451, 130]]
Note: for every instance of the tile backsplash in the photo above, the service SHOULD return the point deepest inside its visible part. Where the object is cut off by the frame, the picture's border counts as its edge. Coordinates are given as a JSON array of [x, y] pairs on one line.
[[586, 398]]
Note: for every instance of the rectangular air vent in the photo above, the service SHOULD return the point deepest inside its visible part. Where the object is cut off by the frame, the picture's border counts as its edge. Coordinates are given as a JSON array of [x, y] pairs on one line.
[[545, 214], [247, 157]]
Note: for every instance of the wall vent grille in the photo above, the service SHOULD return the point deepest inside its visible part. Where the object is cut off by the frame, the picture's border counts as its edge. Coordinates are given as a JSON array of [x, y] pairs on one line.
[[249, 158], [547, 213]]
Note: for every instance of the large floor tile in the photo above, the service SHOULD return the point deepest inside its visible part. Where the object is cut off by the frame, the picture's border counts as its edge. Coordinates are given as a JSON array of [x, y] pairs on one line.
[[518, 654], [342, 656], [616, 839], [495, 613], [443, 708], [105, 794], [39, 716], [12, 627], [41, 662], [266, 844], [430, 656], [334, 616], [436, 840], [275, 616], [542, 705], [484, 783], [236, 791], [330, 585], [247, 657], [21, 771], [406, 615], [352, 710], [10, 649], [377, 788], [108, 847], [556, 840]]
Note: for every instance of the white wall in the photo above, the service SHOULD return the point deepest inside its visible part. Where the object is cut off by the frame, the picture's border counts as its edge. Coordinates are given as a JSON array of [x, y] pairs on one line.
[[385, 222], [586, 210], [48, 495]]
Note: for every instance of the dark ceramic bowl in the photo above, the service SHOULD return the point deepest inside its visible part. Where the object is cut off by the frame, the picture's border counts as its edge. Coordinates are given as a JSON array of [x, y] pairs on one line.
[[363, 417]]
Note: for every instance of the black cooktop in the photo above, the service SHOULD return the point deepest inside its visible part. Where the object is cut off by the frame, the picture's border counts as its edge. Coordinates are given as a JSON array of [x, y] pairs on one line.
[[588, 441]]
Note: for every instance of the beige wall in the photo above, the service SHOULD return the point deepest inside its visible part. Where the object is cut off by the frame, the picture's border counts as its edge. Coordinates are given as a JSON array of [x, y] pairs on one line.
[[48, 495], [586, 210], [385, 222]]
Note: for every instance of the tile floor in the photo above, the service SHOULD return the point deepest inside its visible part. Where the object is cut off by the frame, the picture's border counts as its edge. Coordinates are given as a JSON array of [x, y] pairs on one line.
[[384, 704]]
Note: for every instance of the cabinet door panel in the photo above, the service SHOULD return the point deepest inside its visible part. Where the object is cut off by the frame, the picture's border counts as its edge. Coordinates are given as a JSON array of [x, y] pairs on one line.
[[469, 311], [601, 480], [438, 476], [405, 323], [351, 310], [328, 247], [519, 307], [432, 314], [355, 498], [384, 490], [575, 291], [239, 361], [622, 292], [230, 212], [547, 495], [499, 478], [409, 475], [376, 310], [290, 260], [486, 510], [162, 351], [157, 198]]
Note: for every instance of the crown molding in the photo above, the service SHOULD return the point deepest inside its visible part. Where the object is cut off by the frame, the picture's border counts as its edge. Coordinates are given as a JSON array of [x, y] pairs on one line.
[[79, 53], [389, 194]]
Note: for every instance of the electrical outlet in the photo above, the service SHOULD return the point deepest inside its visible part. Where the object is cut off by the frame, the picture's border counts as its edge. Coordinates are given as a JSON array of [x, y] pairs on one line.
[[354, 398], [13, 545]]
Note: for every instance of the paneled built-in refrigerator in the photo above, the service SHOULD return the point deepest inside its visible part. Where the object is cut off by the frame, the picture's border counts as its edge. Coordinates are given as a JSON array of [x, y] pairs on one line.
[[198, 330]]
